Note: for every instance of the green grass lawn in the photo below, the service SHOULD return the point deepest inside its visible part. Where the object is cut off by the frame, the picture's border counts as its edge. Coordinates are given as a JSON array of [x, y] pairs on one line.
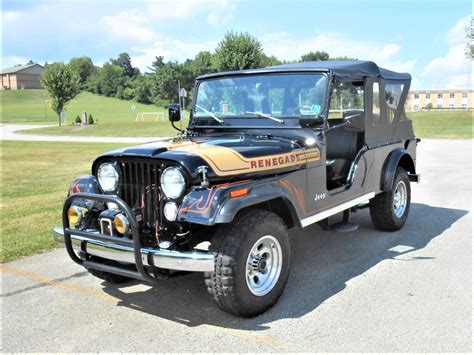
[[115, 117], [443, 124], [35, 179]]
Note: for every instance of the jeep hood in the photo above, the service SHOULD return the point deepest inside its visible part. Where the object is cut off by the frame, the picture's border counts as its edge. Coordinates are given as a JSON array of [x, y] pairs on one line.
[[226, 156]]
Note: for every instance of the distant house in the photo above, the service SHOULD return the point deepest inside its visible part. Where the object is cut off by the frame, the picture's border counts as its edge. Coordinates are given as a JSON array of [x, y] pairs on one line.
[[22, 77]]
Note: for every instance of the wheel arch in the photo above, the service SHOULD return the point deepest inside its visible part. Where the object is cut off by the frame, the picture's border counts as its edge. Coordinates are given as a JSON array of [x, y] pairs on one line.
[[280, 206], [214, 206], [397, 158]]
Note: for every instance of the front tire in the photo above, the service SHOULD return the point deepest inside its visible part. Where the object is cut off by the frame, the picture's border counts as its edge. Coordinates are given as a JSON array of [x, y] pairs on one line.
[[252, 263], [389, 210]]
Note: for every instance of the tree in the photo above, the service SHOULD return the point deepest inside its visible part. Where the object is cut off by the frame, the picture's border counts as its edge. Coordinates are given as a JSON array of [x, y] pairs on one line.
[[83, 66], [342, 58], [315, 56], [143, 93], [110, 78], [429, 106], [164, 83], [269, 61], [238, 51], [62, 85], [157, 63], [202, 63], [124, 61], [470, 40]]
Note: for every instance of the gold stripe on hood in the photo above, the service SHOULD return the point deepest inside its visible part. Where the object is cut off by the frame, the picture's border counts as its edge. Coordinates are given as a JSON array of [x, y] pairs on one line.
[[226, 161]]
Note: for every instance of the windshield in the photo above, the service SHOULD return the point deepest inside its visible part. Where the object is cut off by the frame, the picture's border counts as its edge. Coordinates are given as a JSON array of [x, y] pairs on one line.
[[274, 95]]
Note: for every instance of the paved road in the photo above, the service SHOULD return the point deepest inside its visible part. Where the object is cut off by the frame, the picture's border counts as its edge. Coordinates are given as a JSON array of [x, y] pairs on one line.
[[408, 291], [9, 133]]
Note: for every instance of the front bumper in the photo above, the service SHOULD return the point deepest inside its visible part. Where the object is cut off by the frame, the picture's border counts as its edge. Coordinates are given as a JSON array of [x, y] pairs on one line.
[[164, 259], [80, 244]]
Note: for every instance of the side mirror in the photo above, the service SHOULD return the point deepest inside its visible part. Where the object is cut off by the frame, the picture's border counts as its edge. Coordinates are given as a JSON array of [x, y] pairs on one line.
[[174, 113]]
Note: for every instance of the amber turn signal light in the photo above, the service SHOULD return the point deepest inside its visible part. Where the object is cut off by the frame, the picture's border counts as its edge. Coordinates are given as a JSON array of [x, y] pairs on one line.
[[121, 224], [74, 215], [239, 193]]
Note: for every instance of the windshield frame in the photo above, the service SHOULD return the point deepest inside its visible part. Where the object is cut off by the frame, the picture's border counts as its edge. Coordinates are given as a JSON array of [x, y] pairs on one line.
[[226, 119]]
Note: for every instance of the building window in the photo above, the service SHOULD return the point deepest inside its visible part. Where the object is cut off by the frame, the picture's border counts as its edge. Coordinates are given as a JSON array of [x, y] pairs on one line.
[[416, 108], [464, 95], [451, 107], [439, 106], [428, 95], [417, 96], [451, 95], [464, 107], [440, 95]]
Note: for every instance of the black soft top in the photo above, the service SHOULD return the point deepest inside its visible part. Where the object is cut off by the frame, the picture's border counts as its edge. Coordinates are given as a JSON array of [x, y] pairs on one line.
[[345, 69]]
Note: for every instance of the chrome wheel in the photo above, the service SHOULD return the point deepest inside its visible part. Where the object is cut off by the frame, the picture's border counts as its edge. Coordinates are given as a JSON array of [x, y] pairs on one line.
[[264, 264], [400, 199]]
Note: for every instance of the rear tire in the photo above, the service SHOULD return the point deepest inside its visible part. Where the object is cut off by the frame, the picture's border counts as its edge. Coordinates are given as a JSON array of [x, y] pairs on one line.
[[252, 263], [389, 210]]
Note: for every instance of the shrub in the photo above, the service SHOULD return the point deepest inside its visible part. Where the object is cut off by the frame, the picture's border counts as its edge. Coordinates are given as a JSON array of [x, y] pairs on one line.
[[90, 120], [78, 119]]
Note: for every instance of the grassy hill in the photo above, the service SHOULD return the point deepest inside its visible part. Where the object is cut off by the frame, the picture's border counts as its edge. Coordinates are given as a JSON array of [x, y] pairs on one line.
[[115, 117], [443, 124]]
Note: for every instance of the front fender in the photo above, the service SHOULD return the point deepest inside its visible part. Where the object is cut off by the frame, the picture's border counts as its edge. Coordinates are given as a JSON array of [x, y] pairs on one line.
[[208, 206]]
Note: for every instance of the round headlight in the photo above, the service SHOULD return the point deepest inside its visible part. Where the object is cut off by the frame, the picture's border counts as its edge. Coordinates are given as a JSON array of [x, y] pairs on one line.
[[108, 177], [172, 182], [170, 211]]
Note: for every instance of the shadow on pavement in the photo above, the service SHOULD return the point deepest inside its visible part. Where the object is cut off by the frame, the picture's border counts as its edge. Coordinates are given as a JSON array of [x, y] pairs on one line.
[[322, 263]]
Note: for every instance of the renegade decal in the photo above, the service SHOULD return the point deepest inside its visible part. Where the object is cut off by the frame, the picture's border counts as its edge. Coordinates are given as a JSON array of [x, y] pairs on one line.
[[226, 161]]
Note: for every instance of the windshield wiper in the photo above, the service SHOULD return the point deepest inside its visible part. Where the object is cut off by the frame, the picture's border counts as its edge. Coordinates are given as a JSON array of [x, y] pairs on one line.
[[259, 114], [210, 114]]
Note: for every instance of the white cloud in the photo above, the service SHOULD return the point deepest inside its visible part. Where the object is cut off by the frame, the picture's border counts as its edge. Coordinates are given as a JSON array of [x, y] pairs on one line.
[[290, 47], [216, 12], [453, 69], [457, 34], [128, 25], [137, 29], [10, 61], [170, 48]]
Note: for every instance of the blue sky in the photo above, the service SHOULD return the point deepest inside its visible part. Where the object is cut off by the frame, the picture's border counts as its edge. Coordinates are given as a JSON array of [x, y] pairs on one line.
[[425, 38]]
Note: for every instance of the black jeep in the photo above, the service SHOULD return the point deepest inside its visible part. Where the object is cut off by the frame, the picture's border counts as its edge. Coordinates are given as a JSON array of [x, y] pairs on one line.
[[266, 150]]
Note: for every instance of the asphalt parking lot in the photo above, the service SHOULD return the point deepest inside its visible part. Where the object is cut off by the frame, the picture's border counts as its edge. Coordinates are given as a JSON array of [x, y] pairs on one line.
[[367, 291]]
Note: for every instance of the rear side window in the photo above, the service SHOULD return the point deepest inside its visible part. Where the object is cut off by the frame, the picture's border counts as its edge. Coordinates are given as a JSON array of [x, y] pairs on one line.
[[393, 92]]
